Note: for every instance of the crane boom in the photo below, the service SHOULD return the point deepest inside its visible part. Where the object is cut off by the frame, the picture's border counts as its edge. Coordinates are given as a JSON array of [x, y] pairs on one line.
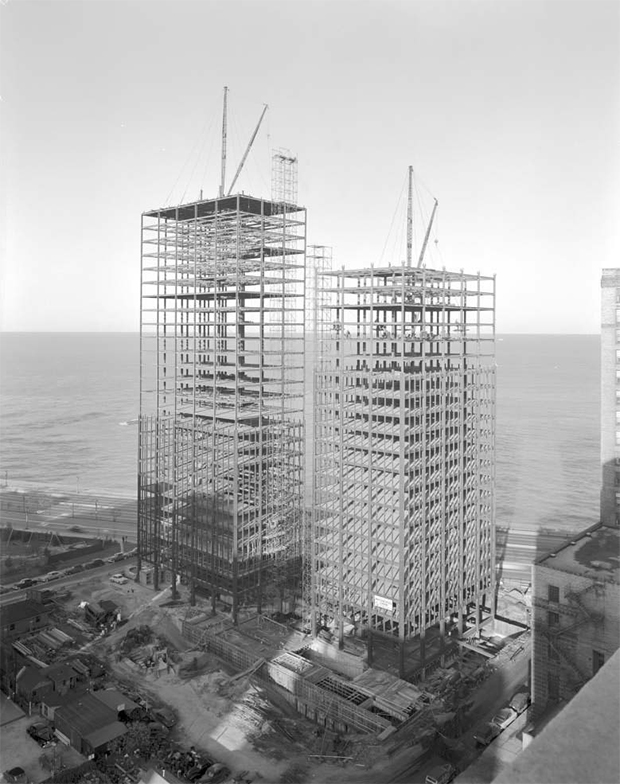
[[247, 151], [428, 233]]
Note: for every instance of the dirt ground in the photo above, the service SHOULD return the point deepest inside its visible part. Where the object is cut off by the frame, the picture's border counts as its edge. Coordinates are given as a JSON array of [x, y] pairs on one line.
[[18, 748], [229, 718]]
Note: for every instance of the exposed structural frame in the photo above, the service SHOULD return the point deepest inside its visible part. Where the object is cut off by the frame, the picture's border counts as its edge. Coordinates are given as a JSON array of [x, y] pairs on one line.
[[221, 386], [405, 432]]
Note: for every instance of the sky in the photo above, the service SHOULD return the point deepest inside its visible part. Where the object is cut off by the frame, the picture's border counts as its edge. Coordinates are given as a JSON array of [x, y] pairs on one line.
[[508, 111]]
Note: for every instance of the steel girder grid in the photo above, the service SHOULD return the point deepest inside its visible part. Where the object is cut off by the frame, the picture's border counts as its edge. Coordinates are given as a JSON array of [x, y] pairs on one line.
[[222, 355], [405, 430]]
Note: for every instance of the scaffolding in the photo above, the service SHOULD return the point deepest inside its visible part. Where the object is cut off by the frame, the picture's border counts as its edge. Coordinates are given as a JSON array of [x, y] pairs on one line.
[[405, 431], [220, 483], [283, 177]]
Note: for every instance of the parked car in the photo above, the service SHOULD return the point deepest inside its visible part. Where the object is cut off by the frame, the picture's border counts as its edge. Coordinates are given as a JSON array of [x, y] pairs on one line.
[[52, 576], [216, 773], [504, 718], [42, 733], [441, 774], [117, 557], [27, 582], [487, 734], [519, 701], [94, 564], [75, 569], [119, 579], [198, 770], [166, 716], [16, 775]]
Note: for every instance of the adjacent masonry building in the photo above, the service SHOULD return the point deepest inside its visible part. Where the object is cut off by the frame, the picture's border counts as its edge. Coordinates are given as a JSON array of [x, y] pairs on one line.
[[404, 440], [610, 396]]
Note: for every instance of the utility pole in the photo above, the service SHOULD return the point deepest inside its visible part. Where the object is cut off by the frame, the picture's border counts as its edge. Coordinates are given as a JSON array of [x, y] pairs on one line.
[[224, 120]]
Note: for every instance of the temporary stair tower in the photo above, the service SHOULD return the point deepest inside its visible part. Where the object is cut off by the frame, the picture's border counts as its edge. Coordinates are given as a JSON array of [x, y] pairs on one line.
[[404, 456], [222, 357]]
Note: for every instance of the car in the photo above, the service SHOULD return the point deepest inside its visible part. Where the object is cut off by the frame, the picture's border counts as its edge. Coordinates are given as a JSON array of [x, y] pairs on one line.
[[519, 701], [42, 733], [157, 729], [94, 564], [117, 557], [119, 579], [197, 771], [441, 774], [166, 716], [16, 775], [52, 576], [75, 569], [486, 734], [216, 773], [504, 718], [27, 582]]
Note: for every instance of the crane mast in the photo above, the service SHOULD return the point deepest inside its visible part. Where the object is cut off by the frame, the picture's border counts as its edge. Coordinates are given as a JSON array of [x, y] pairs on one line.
[[224, 133]]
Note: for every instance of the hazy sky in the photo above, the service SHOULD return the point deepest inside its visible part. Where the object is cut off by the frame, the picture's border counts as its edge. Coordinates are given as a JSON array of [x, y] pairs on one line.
[[508, 111]]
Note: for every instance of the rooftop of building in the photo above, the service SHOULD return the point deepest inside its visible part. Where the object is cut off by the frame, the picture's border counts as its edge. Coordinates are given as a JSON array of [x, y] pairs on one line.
[[20, 611], [86, 714], [197, 210], [610, 276], [594, 552], [30, 677], [59, 672], [115, 699]]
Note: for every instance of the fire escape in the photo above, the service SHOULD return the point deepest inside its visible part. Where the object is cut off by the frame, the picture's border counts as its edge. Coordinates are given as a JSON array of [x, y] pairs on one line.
[[560, 637]]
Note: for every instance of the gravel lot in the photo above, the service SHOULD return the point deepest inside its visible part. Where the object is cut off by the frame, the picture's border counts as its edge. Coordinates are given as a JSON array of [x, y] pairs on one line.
[[18, 748]]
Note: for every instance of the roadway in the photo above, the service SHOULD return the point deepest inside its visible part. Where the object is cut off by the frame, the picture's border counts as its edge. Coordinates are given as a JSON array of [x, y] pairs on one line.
[[66, 582], [97, 516], [107, 516]]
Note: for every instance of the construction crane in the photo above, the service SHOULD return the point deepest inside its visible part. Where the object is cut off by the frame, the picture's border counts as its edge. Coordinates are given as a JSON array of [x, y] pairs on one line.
[[410, 218], [428, 233], [224, 133], [247, 151]]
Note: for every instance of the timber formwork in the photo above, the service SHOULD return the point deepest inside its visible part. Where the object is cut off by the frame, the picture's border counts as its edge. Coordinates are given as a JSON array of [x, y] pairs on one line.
[[403, 527], [221, 385]]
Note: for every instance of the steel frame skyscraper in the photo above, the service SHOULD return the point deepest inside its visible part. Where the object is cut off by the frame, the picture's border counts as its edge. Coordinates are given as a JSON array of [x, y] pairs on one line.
[[403, 526], [221, 393]]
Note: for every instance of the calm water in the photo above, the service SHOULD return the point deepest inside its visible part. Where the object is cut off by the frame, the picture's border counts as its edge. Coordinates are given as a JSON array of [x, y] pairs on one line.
[[69, 403]]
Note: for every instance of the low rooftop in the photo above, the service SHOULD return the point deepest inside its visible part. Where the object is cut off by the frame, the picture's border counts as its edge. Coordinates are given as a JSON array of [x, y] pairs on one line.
[[595, 553], [86, 714]]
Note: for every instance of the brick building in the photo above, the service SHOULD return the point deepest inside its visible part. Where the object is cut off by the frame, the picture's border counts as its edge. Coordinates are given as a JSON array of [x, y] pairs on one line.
[[22, 618], [576, 616]]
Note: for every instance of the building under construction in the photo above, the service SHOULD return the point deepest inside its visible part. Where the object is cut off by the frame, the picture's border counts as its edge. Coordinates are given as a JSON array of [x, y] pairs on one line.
[[404, 475], [222, 357]]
